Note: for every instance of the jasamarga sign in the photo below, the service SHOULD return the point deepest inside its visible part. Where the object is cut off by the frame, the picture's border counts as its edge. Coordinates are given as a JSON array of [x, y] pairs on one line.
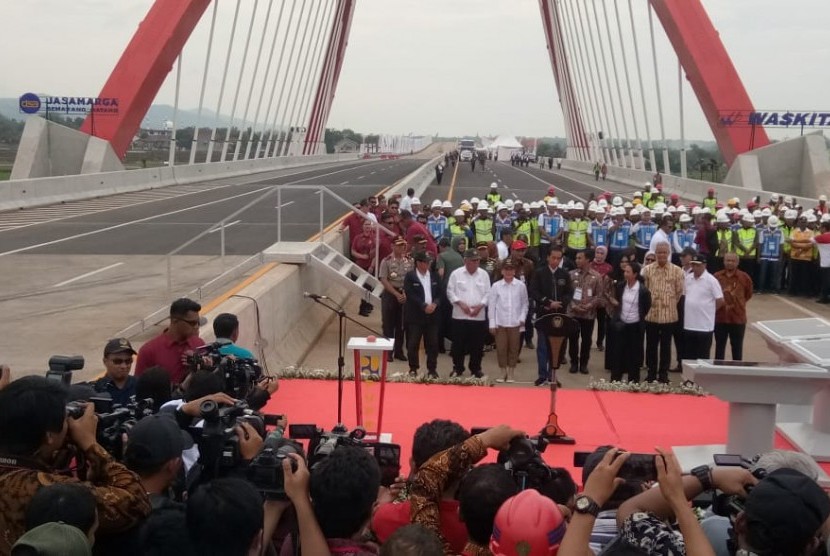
[[31, 103]]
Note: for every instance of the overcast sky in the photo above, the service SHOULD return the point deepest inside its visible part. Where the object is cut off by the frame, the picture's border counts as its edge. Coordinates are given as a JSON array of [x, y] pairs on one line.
[[438, 66]]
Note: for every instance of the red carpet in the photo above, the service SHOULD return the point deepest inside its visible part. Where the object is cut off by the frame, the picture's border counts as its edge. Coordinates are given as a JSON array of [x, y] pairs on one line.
[[636, 422]]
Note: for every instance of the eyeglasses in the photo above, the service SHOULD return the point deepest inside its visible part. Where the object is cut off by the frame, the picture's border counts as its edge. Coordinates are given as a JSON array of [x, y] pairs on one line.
[[119, 361], [193, 323]]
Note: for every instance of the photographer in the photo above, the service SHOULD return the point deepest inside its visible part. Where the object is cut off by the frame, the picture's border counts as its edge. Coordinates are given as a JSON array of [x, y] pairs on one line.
[[33, 429], [117, 380], [450, 466], [429, 439]]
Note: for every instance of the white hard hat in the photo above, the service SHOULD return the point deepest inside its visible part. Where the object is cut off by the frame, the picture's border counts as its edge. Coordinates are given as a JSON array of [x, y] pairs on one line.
[[671, 208], [773, 221], [748, 218], [812, 218], [474, 200], [578, 206], [723, 218], [483, 205], [774, 198], [704, 210], [685, 218], [458, 212], [416, 201], [766, 212], [757, 214], [436, 204], [695, 211], [790, 215], [494, 185], [603, 203], [825, 217], [682, 208], [500, 206], [509, 203], [822, 198], [552, 202], [659, 206], [518, 202], [788, 200], [446, 205], [648, 184], [658, 210], [627, 205], [638, 194], [617, 201]]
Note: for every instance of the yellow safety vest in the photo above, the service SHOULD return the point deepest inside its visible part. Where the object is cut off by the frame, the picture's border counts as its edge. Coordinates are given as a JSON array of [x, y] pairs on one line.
[[457, 231], [578, 234], [746, 237], [710, 203], [525, 228], [786, 231], [493, 199], [723, 235], [484, 230]]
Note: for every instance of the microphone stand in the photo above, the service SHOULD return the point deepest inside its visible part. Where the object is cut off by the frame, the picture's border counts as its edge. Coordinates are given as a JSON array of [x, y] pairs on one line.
[[341, 346]]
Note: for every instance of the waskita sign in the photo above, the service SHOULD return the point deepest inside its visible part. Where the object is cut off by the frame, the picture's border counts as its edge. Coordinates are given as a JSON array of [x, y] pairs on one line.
[[774, 118], [31, 103]]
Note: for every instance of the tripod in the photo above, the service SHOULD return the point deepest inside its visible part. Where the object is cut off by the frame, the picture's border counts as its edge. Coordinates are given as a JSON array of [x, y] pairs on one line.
[[342, 317]]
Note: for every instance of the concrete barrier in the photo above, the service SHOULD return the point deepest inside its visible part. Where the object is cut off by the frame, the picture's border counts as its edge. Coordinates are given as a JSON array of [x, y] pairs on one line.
[[17, 194], [685, 187]]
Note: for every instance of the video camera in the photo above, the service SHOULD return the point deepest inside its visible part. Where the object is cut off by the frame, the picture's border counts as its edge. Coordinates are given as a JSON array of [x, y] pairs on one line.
[[217, 438], [265, 471], [321, 444], [239, 375], [114, 420], [730, 505], [61, 367], [523, 459]]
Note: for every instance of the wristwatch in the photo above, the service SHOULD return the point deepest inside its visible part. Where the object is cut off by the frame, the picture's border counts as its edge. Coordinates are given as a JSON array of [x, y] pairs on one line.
[[586, 505], [703, 473]]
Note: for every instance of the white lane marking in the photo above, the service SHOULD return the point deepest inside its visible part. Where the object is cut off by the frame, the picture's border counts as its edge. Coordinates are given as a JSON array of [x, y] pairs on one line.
[[284, 204], [371, 173], [795, 305], [515, 196], [360, 177], [548, 184], [344, 182], [87, 275], [148, 218], [228, 225]]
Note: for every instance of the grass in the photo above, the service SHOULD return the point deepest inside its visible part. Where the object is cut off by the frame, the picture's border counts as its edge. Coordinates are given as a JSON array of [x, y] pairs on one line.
[[5, 173]]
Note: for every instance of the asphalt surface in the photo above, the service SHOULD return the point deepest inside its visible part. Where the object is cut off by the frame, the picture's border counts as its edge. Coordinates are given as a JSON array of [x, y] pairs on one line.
[[158, 227], [528, 184]]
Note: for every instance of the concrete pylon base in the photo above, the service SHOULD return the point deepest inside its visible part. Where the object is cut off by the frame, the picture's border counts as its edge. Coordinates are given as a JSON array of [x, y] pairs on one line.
[[49, 149], [797, 166]]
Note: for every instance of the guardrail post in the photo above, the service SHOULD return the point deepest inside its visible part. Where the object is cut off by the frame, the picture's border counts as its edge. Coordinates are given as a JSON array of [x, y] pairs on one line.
[[222, 244], [279, 214], [322, 220]]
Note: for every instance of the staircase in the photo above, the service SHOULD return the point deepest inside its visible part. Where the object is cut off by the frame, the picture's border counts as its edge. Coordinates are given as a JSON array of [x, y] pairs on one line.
[[341, 268], [330, 263]]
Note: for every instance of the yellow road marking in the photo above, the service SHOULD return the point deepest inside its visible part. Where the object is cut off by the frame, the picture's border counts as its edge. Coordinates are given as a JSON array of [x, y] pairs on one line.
[[452, 183]]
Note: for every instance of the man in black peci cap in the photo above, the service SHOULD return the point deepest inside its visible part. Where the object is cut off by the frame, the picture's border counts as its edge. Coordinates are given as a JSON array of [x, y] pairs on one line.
[[421, 287], [784, 514], [117, 380]]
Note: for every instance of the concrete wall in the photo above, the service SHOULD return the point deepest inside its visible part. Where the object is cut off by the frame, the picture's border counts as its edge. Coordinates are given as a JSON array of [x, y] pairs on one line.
[[16, 194], [49, 149], [687, 188]]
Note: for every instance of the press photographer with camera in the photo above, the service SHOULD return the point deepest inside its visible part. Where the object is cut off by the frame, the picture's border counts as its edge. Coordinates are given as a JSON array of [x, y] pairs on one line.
[[117, 380], [34, 428]]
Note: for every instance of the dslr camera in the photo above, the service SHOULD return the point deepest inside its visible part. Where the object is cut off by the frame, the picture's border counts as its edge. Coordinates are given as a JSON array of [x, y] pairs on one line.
[[61, 367], [239, 375], [114, 420], [321, 444], [523, 459]]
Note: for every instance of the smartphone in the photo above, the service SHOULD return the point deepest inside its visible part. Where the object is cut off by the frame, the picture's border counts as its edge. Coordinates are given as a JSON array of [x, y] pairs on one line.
[[302, 431], [271, 420], [639, 467], [732, 460]]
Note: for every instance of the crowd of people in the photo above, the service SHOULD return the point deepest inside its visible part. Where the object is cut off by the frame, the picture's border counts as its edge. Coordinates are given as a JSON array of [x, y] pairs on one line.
[[637, 275]]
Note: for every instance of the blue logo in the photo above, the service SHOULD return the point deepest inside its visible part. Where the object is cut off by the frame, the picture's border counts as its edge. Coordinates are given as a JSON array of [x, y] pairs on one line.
[[29, 103]]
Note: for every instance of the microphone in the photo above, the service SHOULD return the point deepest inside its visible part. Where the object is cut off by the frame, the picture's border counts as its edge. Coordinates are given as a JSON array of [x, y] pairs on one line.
[[315, 296]]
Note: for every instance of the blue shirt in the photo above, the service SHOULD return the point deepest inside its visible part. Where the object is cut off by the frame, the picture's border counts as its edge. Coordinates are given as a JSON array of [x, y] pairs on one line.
[[599, 233], [643, 233], [685, 238], [437, 225], [552, 223], [236, 351], [770, 243], [621, 236]]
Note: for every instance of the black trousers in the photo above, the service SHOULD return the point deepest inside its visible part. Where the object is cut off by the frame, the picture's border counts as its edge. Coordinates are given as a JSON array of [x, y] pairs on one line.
[[628, 350], [824, 293], [698, 345], [580, 352], [391, 314], [750, 266], [735, 334], [444, 320], [429, 332], [658, 342], [602, 318], [468, 339]]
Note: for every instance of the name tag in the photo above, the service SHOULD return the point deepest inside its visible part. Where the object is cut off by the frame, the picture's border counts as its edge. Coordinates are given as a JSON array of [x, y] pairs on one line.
[[578, 294]]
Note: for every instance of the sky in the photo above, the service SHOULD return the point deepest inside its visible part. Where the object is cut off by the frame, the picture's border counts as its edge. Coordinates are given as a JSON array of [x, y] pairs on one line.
[[451, 67]]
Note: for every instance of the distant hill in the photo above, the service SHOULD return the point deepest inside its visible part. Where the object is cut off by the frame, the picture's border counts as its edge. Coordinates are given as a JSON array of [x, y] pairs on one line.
[[155, 118]]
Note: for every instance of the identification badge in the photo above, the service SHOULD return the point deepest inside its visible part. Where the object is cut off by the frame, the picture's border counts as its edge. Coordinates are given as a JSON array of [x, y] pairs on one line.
[[590, 293], [577, 294]]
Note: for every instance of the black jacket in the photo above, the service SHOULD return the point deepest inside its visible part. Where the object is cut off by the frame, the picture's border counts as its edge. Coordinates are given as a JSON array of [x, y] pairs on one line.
[[644, 301], [413, 310], [550, 286]]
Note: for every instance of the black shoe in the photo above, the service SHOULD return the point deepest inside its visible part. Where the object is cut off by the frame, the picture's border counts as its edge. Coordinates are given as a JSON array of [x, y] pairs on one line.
[[529, 344], [600, 347], [558, 384], [413, 374], [478, 374], [399, 357], [663, 380], [363, 313], [456, 374], [433, 374], [539, 381], [823, 301], [574, 369], [583, 368]]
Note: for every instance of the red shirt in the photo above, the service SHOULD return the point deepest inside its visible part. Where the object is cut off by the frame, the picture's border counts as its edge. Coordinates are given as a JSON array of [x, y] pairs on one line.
[[355, 225], [602, 268], [166, 352], [390, 517], [416, 228], [365, 245]]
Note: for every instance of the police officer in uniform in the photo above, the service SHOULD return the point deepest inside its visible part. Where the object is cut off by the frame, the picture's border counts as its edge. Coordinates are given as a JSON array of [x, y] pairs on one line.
[[392, 271]]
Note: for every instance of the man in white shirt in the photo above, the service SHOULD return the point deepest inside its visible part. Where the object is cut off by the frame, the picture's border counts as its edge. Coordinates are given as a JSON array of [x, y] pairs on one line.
[[406, 200], [662, 234], [704, 297], [468, 290], [507, 313]]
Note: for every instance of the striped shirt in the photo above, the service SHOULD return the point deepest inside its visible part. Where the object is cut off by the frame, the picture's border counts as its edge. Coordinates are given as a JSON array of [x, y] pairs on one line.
[[666, 285]]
